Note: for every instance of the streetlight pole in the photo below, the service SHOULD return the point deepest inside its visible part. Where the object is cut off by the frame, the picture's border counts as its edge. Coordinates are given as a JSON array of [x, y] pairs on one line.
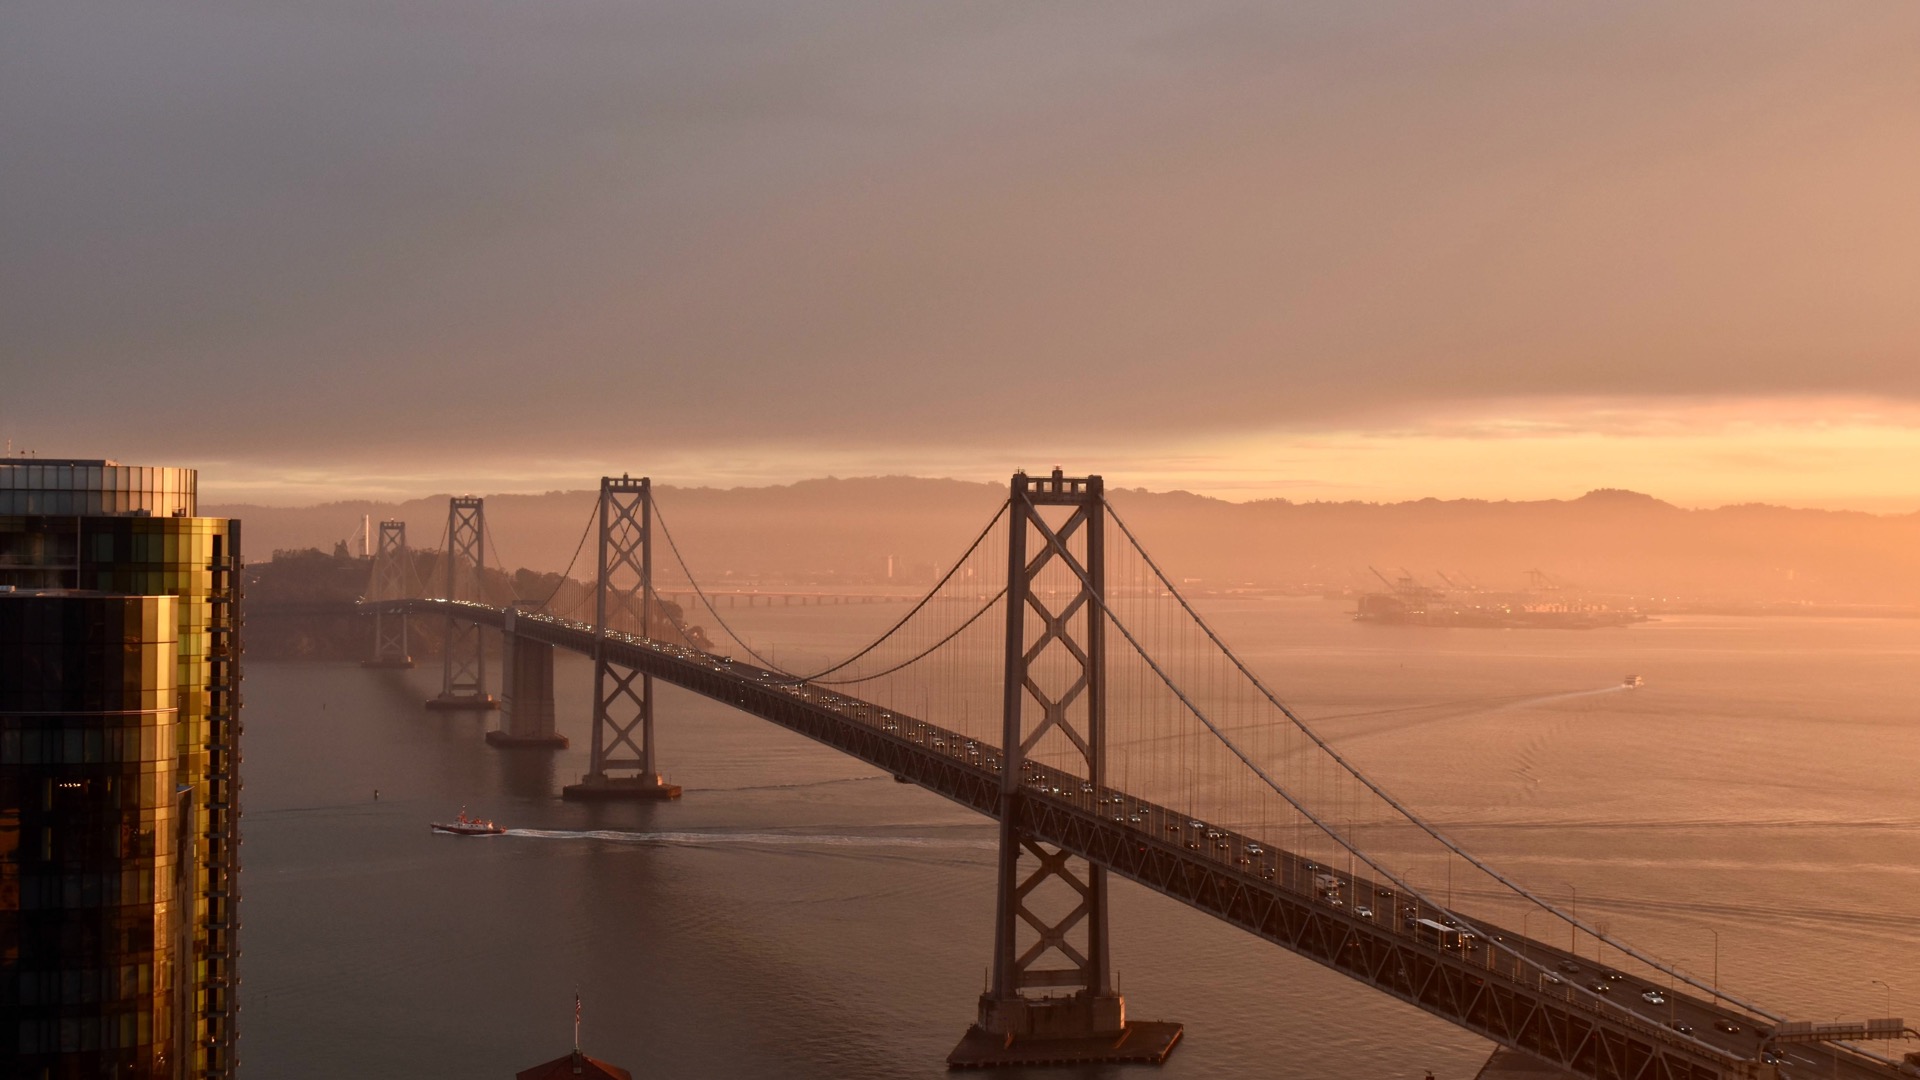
[[1889, 1013], [1573, 923], [1716, 962], [1835, 1051], [1353, 891]]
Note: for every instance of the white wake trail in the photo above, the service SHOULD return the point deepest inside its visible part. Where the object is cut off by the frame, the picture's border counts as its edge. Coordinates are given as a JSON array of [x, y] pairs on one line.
[[714, 839]]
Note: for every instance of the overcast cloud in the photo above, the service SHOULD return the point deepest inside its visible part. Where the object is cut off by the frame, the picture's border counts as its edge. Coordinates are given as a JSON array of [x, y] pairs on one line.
[[587, 229]]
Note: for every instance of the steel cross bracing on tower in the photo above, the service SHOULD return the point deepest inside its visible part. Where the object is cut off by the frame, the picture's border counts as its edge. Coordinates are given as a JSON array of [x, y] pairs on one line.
[[464, 660], [1054, 689], [1272, 897], [391, 576], [621, 764]]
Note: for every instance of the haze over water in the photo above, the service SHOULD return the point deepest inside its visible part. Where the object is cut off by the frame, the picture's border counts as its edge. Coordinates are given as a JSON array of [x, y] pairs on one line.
[[796, 914]]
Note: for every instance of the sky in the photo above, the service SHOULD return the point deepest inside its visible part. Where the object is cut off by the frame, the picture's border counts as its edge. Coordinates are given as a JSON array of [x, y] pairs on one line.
[[1312, 250]]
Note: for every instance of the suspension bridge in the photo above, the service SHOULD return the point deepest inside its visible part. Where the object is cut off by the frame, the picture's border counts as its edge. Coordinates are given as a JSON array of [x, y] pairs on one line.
[[1056, 680]]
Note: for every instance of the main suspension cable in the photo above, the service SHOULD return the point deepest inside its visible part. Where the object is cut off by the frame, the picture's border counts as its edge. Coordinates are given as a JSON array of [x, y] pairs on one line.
[[1398, 806], [924, 601], [992, 601], [701, 593], [577, 549]]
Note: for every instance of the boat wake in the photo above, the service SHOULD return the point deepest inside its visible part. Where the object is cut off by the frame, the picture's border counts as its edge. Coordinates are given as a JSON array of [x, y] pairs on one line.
[[1527, 703], [767, 839]]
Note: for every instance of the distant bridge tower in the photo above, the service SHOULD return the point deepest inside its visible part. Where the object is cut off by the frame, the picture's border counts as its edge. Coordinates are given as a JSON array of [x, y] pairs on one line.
[[464, 685], [622, 764], [1050, 926], [391, 572]]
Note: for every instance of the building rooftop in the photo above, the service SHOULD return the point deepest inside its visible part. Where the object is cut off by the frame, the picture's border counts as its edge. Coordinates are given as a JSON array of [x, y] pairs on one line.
[[59, 461], [88, 487], [574, 1066]]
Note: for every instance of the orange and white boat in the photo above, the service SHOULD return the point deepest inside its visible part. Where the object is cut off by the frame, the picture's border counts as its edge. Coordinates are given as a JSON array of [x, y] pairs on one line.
[[468, 826]]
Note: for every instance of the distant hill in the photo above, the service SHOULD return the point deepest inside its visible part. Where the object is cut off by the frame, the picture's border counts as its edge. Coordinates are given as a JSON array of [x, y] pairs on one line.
[[845, 531]]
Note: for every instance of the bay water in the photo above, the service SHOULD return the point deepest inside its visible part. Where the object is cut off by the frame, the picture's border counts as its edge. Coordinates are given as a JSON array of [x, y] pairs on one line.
[[798, 914]]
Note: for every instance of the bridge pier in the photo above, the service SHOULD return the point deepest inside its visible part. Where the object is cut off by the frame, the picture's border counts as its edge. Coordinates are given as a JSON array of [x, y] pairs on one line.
[[464, 682], [1078, 1018], [526, 718], [621, 766]]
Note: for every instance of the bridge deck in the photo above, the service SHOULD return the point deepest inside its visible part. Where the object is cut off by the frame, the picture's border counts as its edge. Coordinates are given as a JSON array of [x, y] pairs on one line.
[[1543, 1002]]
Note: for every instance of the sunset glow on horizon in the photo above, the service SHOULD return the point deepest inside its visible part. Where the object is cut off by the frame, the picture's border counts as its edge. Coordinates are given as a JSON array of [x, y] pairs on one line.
[[1832, 454]]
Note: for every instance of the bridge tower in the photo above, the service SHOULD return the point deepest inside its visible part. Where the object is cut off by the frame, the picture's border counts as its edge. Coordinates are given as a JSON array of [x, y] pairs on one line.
[[1056, 581], [464, 664], [390, 574], [622, 764]]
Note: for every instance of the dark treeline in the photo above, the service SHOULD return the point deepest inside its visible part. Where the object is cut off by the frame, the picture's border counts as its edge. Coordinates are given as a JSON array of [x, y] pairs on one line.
[[300, 604]]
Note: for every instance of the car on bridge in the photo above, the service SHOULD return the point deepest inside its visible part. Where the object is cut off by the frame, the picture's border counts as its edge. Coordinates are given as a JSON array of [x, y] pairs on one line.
[[1654, 997]]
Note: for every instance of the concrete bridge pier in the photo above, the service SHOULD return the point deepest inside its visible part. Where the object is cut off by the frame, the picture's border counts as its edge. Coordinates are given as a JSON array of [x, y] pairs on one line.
[[526, 715]]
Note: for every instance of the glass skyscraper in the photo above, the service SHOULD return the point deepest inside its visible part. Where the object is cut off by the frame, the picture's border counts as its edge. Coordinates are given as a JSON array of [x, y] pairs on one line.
[[100, 528], [90, 835]]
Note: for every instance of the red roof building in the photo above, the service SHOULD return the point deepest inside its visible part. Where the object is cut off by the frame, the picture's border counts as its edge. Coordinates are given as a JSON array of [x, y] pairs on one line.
[[574, 1066]]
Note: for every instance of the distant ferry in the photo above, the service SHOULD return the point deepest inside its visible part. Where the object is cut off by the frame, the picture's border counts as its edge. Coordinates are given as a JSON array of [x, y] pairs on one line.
[[1633, 681], [466, 826]]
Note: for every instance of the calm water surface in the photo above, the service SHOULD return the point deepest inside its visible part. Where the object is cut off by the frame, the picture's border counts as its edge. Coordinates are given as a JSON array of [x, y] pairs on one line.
[[796, 914]]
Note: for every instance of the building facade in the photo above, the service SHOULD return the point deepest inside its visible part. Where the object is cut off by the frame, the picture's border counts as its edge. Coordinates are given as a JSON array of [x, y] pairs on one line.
[[105, 528], [91, 827]]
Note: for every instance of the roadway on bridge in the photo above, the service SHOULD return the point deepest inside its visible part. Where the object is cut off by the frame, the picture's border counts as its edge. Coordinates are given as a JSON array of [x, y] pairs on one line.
[[1713, 1032]]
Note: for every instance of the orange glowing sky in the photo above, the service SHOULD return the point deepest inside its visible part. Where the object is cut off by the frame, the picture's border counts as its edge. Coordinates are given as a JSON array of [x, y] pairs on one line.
[[1314, 250]]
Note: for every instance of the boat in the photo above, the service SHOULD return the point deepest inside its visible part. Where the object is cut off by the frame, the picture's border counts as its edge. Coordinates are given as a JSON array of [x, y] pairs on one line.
[[468, 826], [1632, 682]]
